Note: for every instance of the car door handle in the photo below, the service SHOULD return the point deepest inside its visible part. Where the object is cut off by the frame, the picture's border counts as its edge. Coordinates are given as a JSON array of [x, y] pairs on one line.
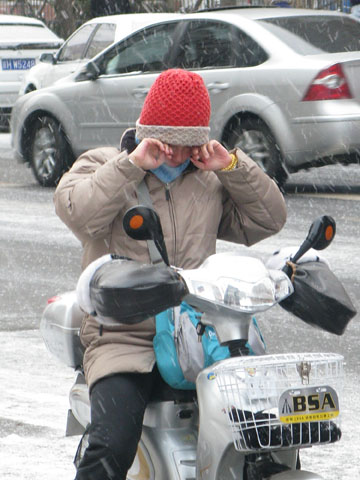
[[217, 86], [140, 91]]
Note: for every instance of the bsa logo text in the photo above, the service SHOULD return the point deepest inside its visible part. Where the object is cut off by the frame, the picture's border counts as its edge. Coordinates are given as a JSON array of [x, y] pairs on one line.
[[314, 402], [308, 404]]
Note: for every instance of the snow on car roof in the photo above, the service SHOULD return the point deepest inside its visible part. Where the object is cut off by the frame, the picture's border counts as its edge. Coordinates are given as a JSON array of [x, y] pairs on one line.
[[19, 20], [143, 17], [257, 13], [130, 22]]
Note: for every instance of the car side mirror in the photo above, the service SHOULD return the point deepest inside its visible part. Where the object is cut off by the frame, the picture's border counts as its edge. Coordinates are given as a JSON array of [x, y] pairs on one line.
[[89, 72], [92, 71], [47, 58]]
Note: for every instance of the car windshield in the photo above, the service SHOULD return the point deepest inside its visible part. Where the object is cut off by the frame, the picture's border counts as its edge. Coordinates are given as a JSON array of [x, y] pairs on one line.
[[18, 32], [309, 35]]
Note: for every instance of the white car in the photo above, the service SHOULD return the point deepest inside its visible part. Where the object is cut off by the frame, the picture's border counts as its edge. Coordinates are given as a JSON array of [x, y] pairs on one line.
[[86, 42], [22, 41]]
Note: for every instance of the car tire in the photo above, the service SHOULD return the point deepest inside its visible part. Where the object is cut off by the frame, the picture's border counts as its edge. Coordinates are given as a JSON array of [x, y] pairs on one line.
[[48, 151], [254, 138]]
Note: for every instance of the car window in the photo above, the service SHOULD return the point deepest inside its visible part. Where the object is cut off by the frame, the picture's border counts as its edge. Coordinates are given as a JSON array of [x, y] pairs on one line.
[[309, 35], [102, 38], [209, 44], [145, 51], [247, 52], [74, 48]]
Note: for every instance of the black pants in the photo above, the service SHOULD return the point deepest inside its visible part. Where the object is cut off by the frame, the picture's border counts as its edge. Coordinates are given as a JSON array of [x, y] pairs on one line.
[[118, 404]]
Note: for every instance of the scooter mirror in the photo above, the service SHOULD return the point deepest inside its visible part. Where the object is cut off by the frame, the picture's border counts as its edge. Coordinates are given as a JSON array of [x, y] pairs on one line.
[[321, 234], [143, 223]]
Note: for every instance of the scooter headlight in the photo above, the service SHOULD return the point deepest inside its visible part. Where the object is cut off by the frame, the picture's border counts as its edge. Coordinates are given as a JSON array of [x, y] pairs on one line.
[[245, 284]]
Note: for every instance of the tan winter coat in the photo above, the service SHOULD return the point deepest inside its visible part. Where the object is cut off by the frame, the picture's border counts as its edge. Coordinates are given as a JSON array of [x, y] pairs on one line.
[[243, 206]]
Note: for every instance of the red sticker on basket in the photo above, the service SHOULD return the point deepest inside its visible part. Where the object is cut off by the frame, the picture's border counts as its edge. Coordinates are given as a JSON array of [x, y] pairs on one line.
[[308, 404]]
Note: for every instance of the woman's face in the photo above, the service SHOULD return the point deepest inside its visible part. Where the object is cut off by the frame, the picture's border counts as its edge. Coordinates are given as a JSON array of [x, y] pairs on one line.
[[179, 155]]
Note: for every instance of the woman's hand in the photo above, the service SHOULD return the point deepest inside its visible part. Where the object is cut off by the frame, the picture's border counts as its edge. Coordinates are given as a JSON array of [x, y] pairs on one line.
[[210, 156], [150, 154]]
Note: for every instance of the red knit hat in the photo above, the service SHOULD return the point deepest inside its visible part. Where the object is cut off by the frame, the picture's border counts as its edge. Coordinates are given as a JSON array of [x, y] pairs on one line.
[[176, 110]]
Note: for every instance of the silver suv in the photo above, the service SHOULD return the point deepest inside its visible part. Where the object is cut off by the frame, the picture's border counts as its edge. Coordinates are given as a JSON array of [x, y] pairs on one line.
[[284, 87]]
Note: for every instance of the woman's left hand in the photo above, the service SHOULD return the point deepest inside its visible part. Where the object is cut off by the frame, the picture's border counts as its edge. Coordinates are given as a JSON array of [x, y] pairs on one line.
[[210, 156]]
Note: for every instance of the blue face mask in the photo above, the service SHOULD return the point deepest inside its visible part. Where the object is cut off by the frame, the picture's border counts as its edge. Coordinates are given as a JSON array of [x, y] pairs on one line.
[[167, 174]]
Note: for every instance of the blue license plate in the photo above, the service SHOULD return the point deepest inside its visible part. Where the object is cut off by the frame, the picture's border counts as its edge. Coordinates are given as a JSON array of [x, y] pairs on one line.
[[17, 63]]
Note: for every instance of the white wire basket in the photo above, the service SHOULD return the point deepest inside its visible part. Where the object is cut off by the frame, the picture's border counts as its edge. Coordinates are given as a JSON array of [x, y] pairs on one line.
[[282, 401]]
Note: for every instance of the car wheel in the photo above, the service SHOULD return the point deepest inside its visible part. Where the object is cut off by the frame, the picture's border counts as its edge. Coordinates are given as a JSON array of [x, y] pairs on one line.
[[254, 138], [48, 151]]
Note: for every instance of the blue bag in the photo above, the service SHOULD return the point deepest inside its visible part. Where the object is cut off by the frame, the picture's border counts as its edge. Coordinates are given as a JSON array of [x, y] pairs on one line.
[[180, 356]]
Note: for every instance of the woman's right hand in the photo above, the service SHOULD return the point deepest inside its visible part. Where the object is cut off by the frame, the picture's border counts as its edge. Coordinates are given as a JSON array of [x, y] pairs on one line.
[[150, 154]]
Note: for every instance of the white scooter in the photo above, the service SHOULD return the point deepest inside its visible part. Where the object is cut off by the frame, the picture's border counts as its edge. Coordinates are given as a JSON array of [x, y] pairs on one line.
[[250, 415]]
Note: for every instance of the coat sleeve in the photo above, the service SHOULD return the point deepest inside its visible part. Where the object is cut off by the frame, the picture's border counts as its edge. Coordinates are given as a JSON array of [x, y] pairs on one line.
[[254, 208], [91, 194]]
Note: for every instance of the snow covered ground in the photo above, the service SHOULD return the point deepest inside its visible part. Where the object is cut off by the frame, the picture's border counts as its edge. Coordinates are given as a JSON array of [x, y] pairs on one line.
[[34, 402]]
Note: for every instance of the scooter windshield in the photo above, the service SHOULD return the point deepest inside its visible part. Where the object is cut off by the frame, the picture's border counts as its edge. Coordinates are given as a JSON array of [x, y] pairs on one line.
[[237, 282]]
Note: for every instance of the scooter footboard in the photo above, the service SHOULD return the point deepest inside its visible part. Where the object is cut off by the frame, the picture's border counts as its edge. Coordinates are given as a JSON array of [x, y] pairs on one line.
[[167, 449], [281, 401]]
